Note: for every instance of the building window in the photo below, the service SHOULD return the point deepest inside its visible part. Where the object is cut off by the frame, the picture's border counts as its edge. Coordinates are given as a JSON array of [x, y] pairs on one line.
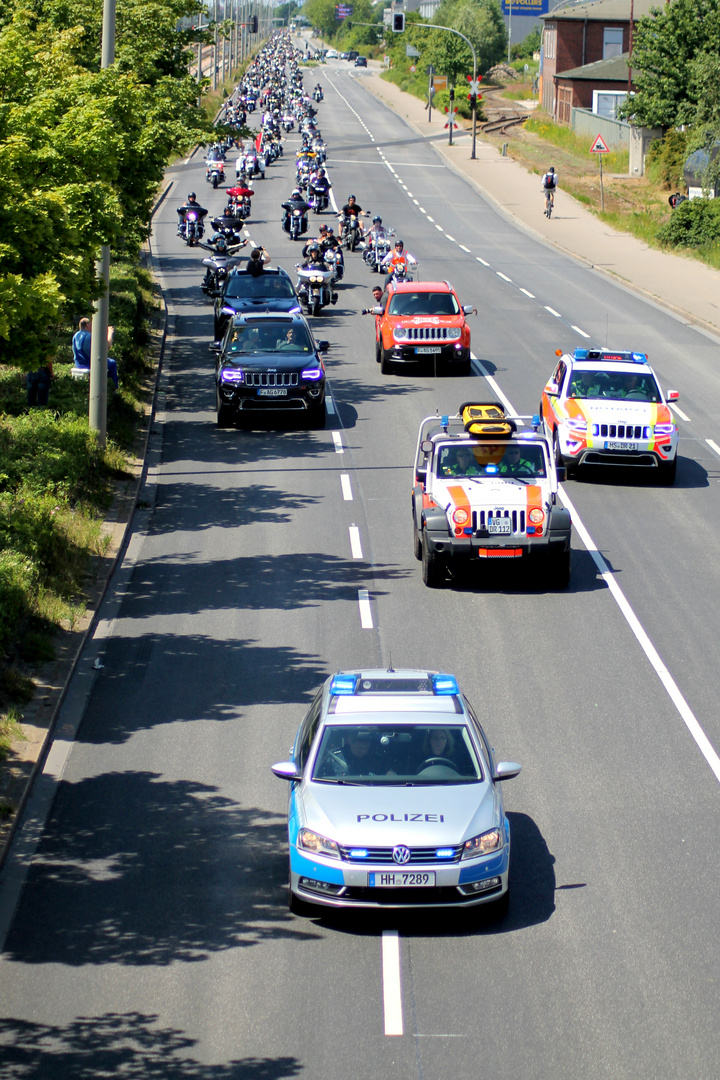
[[607, 102], [612, 41], [550, 40]]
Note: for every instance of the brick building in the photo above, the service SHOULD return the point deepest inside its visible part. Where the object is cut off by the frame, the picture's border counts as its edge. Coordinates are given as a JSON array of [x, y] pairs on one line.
[[579, 36]]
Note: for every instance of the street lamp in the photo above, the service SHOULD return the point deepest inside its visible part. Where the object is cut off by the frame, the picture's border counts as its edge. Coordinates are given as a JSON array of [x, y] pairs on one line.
[[431, 26]]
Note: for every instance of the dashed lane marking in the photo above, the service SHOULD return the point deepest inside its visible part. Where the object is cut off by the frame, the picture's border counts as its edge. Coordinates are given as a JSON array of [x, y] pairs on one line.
[[366, 621], [579, 331], [553, 312], [392, 988], [337, 439], [346, 487], [355, 545]]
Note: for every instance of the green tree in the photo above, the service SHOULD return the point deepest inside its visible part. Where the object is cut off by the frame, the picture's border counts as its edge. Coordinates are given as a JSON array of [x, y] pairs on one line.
[[480, 21], [704, 133], [665, 45]]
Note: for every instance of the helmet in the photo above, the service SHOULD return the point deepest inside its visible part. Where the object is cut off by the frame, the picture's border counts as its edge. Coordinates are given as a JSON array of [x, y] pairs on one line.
[[296, 193], [321, 172], [399, 244], [219, 243], [350, 197], [551, 169], [377, 220], [192, 195]]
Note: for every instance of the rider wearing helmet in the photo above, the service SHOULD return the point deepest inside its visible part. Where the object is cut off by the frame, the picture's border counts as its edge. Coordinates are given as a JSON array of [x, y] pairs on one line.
[[398, 261], [295, 202], [352, 209]]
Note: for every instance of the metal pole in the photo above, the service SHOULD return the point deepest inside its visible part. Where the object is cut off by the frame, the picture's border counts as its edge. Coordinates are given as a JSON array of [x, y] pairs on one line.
[[509, 29], [215, 47], [432, 26], [97, 408], [451, 114]]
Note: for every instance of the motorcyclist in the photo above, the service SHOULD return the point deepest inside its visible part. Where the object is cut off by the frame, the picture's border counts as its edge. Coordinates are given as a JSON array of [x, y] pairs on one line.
[[295, 202], [352, 209], [314, 261], [191, 203], [218, 246], [330, 242], [396, 259], [319, 185]]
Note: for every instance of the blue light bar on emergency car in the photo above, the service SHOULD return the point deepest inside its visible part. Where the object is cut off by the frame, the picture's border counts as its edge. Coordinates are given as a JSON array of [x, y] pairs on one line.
[[444, 685], [639, 357], [580, 354], [343, 685]]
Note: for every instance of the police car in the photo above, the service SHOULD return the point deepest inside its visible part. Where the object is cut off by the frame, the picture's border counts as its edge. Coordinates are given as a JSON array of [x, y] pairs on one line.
[[486, 489], [606, 408], [395, 797]]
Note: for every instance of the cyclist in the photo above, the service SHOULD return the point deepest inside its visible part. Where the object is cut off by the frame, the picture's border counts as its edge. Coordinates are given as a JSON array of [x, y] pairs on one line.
[[549, 183]]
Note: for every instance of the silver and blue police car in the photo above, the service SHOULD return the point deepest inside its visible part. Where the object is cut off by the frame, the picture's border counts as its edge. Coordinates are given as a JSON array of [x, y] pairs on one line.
[[395, 797]]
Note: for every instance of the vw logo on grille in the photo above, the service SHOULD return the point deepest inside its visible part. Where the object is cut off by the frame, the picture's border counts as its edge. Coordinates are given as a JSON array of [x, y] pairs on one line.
[[401, 854]]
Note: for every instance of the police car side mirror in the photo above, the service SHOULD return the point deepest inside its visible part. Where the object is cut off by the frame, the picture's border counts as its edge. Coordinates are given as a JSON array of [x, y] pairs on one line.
[[673, 395], [561, 471], [504, 770], [378, 309], [286, 770], [468, 309]]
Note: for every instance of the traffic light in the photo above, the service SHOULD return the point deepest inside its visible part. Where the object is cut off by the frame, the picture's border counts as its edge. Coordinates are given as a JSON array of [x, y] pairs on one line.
[[398, 24], [253, 29]]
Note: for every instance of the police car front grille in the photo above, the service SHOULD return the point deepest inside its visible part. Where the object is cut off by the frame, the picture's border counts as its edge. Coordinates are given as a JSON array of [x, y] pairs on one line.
[[481, 518], [622, 431], [417, 855], [272, 378], [427, 333]]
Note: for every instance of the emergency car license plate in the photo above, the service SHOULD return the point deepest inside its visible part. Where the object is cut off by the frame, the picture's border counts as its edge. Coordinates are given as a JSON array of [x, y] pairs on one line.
[[402, 879], [427, 350], [503, 527], [275, 392], [620, 446]]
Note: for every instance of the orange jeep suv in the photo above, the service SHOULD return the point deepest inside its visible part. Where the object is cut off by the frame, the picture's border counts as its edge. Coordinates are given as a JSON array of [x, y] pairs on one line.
[[420, 321]]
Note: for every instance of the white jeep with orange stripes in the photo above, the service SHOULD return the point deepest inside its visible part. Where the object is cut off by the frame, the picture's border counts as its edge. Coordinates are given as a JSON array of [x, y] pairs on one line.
[[482, 489]]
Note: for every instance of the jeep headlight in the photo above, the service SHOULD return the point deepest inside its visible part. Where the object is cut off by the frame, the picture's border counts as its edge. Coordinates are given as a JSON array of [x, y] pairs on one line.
[[400, 333], [483, 844], [320, 845], [574, 424], [453, 333]]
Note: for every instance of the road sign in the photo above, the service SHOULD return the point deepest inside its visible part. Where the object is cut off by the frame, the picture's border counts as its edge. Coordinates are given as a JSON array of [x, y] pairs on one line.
[[413, 68], [410, 50], [599, 146]]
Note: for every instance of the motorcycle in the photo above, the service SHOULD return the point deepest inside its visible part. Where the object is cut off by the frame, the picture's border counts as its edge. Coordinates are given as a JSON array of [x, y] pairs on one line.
[[334, 261], [190, 225], [318, 198], [288, 121], [215, 173], [295, 223], [218, 267], [314, 288], [318, 95], [373, 256], [350, 235], [402, 273]]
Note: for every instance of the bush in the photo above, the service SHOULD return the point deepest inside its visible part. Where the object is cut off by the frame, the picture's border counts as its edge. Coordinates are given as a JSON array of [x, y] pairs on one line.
[[666, 159], [693, 223]]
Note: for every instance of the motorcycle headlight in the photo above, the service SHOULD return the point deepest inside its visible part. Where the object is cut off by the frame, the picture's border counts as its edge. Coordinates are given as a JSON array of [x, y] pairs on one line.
[[484, 844], [400, 333], [454, 333], [320, 845], [316, 279]]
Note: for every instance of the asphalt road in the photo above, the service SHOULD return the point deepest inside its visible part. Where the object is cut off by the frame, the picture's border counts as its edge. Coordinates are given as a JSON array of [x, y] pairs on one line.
[[152, 937]]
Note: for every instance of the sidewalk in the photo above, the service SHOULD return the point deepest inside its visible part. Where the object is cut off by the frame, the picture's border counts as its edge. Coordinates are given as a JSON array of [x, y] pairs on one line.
[[680, 284]]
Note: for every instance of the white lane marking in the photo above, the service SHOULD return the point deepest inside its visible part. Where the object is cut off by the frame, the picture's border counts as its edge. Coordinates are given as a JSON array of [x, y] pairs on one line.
[[337, 439], [334, 204], [680, 413], [531, 295], [440, 228], [451, 238], [366, 622], [431, 219], [503, 276], [392, 990], [481, 261], [713, 446], [673, 691], [496, 389], [422, 210], [463, 248], [409, 193], [579, 331], [416, 202], [346, 487], [403, 186], [553, 312], [355, 545], [330, 406]]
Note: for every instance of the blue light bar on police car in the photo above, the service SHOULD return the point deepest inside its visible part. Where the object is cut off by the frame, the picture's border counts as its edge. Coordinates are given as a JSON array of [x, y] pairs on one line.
[[444, 685], [343, 685], [639, 357], [580, 354]]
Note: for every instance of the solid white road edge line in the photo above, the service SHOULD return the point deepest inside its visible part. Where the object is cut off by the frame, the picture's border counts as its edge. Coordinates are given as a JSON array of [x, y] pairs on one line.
[[366, 622], [686, 713], [355, 545], [346, 487], [392, 990], [680, 413]]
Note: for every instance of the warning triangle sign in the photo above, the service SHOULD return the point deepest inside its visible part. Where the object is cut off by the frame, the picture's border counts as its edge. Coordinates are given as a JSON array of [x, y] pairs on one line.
[[599, 146]]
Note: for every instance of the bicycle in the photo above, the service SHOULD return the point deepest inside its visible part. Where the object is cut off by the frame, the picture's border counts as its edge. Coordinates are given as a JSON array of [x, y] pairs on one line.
[[549, 201]]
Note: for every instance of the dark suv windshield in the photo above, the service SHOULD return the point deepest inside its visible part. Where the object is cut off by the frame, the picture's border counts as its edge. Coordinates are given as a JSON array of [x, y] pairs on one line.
[[408, 303], [269, 338], [247, 287]]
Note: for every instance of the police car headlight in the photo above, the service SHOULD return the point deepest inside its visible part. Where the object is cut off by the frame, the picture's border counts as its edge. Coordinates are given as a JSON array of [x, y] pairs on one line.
[[575, 425], [320, 845], [453, 333], [483, 844], [400, 333]]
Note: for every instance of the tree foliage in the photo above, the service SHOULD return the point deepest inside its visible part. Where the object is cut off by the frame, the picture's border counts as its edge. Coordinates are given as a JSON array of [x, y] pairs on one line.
[[82, 150], [666, 46]]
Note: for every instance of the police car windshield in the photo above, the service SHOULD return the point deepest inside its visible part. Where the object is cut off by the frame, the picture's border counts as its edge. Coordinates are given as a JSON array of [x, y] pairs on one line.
[[423, 304], [489, 460], [247, 287], [401, 755]]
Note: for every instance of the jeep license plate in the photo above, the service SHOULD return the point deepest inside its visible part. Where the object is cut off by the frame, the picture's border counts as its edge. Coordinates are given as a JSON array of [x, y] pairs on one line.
[[279, 392], [621, 446], [402, 879], [499, 527], [427, 350]]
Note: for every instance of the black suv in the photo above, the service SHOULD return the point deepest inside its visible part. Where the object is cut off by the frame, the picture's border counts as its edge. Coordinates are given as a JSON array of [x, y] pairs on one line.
[[270, 291], [269, 362]]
